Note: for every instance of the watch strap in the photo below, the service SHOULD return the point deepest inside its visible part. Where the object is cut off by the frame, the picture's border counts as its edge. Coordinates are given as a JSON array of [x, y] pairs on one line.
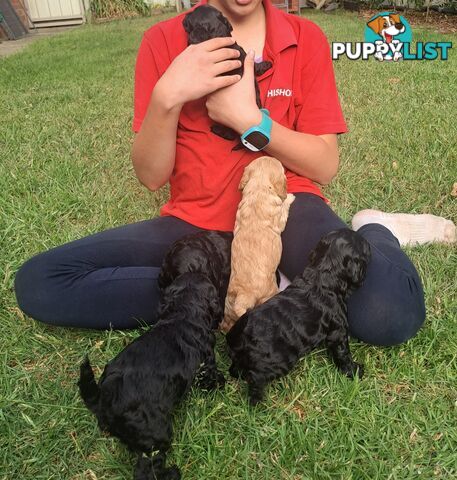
[[264, 127]]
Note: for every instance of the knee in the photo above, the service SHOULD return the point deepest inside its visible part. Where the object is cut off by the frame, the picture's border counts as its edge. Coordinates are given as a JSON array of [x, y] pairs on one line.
[[30, 286], [387, 317]]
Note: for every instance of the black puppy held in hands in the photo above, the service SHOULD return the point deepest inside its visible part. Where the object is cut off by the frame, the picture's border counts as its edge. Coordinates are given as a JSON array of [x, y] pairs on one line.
[[139, 389], [268, 341], [205, 23]]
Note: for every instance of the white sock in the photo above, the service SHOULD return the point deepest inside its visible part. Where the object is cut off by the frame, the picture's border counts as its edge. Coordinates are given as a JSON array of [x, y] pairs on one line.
[[408, 228]]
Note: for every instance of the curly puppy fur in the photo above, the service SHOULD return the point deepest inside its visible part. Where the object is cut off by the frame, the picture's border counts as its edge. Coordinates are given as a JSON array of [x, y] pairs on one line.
[[206, 22], [257, 247], [139, 388], [267, 342], [205, 252]]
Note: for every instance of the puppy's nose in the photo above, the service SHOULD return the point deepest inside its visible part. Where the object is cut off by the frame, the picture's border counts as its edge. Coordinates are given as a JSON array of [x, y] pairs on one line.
[[399, 26]]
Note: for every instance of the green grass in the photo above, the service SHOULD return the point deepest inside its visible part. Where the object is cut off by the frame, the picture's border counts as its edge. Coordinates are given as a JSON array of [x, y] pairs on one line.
[[66, 110]]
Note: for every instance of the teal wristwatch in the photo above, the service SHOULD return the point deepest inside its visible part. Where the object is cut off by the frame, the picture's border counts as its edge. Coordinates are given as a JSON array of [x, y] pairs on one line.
[[258, 136]]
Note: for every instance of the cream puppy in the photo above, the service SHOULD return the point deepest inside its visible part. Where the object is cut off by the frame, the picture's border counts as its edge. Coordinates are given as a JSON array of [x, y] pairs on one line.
[[257, 248]]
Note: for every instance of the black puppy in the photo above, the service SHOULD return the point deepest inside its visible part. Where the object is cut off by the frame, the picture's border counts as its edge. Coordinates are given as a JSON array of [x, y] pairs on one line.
[[206, 22], [139, 389], [267, 342], [206, 252]]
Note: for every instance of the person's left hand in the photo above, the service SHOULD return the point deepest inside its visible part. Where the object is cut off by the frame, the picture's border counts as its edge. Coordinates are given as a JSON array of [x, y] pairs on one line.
[[235, 106]]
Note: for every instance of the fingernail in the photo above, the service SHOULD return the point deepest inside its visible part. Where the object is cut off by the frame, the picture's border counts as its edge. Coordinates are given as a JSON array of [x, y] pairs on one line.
[[251, 53]]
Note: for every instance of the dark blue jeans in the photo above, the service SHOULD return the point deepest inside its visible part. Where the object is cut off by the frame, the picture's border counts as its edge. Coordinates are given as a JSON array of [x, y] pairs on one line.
[[108, 280]]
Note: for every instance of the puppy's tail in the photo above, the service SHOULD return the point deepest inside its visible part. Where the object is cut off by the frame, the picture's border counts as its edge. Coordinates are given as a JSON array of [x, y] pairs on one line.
[[88, 388], [147, 468]]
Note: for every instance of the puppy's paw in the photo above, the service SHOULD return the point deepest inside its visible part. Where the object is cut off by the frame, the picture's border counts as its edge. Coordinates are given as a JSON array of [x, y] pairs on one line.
[[154, 468], [234, 371], [355, 369], [261, 67], [208, 385], [238, 146], [254, 400], [290, 198], [256, 393], [224, 132], [173, 473], [211, 381], [360, 370], [220, 379]]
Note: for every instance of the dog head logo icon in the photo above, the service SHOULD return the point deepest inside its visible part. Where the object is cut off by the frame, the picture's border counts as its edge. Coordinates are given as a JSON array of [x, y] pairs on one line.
[[388, 31], [387, 26]]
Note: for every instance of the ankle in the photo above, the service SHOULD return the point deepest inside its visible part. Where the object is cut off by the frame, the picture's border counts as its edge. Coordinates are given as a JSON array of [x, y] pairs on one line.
[[409, 229]]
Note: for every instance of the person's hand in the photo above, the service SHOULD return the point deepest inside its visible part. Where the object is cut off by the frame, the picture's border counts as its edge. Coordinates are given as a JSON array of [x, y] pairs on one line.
[[235, 106], [194, 73]]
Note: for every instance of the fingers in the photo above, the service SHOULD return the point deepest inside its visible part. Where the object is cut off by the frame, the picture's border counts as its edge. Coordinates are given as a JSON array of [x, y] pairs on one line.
[[226, 66], [249, 66], [225, 81], [217, 43], [223, 54]]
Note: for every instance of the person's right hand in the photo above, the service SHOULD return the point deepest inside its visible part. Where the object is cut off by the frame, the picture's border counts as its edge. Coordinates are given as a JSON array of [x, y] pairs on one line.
[[194, 73]]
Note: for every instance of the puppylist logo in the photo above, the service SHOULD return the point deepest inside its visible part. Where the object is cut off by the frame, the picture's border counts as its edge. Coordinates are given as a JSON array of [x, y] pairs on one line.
[[388, 37]]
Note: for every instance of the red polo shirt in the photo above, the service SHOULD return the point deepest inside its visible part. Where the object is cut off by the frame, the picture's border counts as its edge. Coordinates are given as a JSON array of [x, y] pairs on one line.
[[299, 91]]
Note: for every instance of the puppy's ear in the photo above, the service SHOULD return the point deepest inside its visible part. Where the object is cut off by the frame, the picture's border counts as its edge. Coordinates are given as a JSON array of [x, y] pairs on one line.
[[216, 310], [281, 188], [187, 23], [227, 27], [164, 277], [312, 256], [319, 251], [356, 270], [357, 262], [168, 298], [377, 25], [245, 178], [218, 313], [395, 17]]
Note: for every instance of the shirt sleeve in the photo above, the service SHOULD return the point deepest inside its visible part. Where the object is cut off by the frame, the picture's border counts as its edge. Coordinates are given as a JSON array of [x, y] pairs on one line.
[[146, 76], [320, 110]]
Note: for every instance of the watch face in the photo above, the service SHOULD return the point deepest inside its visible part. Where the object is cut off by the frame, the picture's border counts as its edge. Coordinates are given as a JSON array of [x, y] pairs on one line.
[[258, 139]]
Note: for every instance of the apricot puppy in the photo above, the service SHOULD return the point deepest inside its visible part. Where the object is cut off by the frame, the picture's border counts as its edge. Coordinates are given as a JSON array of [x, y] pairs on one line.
[[256, 247]]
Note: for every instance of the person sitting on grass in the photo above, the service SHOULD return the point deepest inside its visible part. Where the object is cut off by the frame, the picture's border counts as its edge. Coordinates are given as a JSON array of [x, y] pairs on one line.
[[109, 280]]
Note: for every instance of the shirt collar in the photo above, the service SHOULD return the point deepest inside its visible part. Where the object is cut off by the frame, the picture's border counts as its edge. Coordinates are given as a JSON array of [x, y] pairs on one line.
[[281, 36]]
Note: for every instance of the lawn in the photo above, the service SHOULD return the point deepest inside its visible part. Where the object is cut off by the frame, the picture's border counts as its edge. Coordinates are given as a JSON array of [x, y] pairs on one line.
[[66, 110]]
